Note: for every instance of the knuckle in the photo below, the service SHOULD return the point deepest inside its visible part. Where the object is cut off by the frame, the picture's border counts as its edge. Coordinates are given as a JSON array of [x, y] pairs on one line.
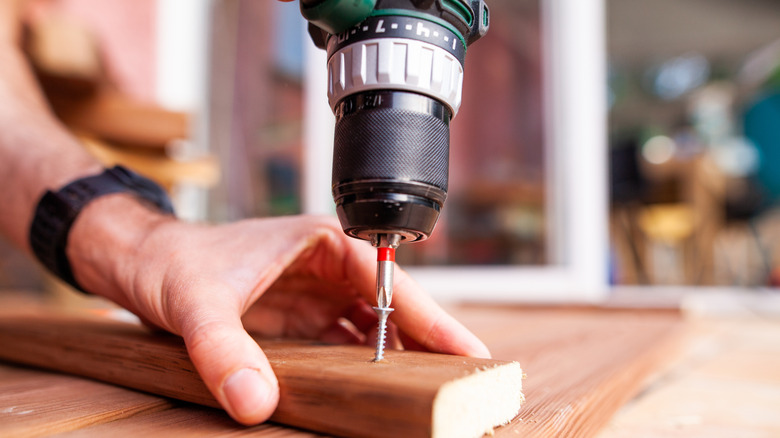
[[205, 337]]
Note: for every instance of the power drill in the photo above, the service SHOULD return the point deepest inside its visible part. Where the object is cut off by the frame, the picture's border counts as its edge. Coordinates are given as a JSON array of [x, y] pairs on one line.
[[395, 75]]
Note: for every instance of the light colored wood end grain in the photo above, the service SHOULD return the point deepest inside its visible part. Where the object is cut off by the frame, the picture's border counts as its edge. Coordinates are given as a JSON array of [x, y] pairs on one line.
[[473, 405]]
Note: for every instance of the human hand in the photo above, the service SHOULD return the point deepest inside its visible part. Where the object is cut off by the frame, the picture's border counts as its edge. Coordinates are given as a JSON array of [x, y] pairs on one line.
[[10, 11], [292, 276]]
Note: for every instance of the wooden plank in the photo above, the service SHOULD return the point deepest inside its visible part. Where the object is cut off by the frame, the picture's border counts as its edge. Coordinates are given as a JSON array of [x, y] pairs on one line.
[[582, 363], [64, 54], [727, 384], [34, 403], [332, 389], [201, 172], [190, 421], [121, 120]]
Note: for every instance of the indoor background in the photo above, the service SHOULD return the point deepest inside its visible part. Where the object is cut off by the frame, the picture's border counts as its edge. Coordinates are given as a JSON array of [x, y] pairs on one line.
[[693, 146]]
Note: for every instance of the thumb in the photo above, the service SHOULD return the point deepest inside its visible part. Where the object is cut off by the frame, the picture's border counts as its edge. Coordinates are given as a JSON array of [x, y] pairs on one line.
[[232, 365]]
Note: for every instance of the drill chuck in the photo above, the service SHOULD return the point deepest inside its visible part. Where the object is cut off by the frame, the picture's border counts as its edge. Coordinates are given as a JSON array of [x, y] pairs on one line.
[[390, 163]]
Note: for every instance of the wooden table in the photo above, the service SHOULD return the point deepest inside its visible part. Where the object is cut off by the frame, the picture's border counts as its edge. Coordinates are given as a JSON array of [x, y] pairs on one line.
[[726, 382], [583, 364]]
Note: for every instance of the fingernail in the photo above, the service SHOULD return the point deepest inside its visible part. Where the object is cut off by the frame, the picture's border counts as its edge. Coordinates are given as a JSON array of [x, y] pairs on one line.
[[247, 393], [483, 352], [479, 349]]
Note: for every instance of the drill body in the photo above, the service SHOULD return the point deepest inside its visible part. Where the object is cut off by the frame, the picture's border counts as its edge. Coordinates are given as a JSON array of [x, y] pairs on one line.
[[395, 74]]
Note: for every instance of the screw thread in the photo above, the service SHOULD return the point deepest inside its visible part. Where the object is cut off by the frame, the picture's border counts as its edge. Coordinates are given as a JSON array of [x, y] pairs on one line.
[[381, 332], [381, 335]]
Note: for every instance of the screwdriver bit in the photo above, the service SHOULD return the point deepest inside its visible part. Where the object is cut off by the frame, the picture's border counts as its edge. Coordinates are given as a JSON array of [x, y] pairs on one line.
[[385, 263]]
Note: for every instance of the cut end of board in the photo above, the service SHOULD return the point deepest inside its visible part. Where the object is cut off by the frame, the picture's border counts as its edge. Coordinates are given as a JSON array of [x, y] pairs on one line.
[[474, 405]]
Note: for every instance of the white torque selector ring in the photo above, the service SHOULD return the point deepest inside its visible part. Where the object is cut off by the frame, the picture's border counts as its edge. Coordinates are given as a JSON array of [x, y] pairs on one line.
[[395, 64]]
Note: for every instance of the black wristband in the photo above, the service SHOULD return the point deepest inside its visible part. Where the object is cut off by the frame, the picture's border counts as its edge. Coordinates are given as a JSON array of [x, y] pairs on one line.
[[57, 211]]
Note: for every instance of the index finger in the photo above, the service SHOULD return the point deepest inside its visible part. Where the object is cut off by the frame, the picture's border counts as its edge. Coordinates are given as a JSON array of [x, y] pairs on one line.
[[417, 314]]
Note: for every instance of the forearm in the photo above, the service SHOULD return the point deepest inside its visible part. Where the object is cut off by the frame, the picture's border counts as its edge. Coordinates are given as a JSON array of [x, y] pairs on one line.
[[36, 152]]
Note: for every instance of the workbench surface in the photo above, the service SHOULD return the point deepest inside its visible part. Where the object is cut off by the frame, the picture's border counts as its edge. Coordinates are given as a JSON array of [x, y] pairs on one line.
[[592, 372], [725, 383]]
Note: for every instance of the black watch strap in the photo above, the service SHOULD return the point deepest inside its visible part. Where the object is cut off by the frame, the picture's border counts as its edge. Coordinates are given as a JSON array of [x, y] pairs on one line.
[[57, 211]]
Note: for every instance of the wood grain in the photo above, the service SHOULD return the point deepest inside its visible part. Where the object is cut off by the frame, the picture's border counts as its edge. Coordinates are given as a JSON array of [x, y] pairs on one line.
[[200, 172], [582, 363], [22, 412], [332, 389], [189, 421], [118, 119], [725, 385]]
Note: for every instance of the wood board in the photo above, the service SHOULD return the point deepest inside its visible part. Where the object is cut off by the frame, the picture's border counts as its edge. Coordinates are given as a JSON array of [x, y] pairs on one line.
[[32, 403], [334, 389], [582, 365], [725, 384]]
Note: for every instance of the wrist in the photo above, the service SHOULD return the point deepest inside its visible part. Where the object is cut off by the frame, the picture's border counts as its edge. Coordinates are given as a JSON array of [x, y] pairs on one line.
[[57, 212], [104, 242]]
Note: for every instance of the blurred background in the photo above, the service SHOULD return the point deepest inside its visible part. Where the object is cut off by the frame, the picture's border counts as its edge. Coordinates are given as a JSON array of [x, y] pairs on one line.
[[600, 144]]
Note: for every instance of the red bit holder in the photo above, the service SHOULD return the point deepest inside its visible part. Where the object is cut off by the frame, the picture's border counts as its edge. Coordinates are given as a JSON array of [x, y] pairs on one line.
[[385, 254]]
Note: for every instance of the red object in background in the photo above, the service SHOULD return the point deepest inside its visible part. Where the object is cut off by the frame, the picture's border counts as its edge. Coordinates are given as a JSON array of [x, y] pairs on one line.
[[774, 277]]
